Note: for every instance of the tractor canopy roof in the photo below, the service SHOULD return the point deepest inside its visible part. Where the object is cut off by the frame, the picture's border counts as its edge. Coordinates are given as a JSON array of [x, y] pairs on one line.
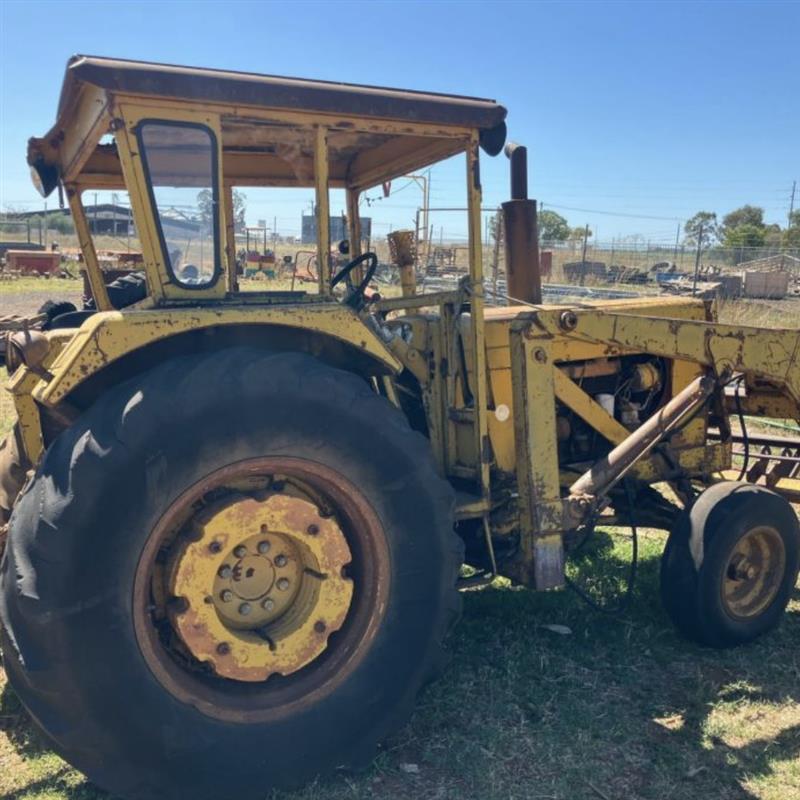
[[267, 124]]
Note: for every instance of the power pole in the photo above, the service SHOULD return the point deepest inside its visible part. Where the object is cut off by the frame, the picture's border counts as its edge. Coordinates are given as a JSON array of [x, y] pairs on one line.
[[791, 202], [677, 241], [583, 257], [697, 259]]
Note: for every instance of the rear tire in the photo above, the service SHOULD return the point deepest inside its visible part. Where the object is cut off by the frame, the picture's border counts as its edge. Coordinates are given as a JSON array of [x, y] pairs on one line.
[[730, 564], [73, 647]]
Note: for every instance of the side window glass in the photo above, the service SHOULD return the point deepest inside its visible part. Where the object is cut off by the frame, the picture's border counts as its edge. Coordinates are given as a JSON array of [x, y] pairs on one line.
[[180, 164]]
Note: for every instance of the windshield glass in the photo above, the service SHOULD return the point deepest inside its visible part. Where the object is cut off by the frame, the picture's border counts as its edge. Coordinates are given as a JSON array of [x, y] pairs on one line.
[[180, 164]]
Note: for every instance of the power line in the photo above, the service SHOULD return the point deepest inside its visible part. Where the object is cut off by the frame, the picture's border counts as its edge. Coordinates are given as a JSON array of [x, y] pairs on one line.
[[613, 213]]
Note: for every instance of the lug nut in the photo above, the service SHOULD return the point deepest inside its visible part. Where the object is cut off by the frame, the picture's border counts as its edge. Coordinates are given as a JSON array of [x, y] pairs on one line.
[[245, 609], [223, 649], [280, 561], [268, 604], [263, 547], [226, 595], [224, 571], [319, 626], [313, 530], [215, 547], [240, 551], [283, 584]]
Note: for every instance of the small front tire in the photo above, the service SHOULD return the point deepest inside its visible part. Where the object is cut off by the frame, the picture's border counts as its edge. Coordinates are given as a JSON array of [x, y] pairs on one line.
[[730, 564]]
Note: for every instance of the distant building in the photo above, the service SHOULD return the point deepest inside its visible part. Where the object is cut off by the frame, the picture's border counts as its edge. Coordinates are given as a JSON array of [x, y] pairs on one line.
[[338, 229], [110, 219]]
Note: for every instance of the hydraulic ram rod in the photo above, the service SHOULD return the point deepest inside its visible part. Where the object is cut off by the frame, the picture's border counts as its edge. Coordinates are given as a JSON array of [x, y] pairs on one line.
[[606, 472]]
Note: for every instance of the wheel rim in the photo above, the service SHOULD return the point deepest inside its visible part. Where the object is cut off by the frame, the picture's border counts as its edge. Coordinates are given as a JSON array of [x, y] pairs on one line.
[[285, 530], [754, 572], [259, 570]]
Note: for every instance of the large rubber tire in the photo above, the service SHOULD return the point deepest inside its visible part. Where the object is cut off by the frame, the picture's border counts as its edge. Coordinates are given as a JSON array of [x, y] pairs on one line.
[[78, 530], [707, 533]]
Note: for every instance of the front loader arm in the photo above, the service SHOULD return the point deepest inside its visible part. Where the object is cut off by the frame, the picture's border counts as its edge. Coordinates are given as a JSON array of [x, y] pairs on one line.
[[771, 355]]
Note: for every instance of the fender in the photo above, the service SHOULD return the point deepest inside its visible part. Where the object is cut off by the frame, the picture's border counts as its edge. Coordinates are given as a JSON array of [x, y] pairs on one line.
[[108, 336]]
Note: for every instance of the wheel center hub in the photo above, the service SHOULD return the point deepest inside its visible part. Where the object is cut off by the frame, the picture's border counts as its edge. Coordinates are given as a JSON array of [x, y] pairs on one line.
[[252, 577], [259, 579], [262, 583]]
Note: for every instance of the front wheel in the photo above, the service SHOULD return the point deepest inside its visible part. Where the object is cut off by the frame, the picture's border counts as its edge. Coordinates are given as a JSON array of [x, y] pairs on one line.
[[233, 573], [730, 564]]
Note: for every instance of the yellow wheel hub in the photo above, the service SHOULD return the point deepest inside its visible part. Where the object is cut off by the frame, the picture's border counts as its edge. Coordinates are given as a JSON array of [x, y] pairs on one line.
[[754, 572], [261, 586]]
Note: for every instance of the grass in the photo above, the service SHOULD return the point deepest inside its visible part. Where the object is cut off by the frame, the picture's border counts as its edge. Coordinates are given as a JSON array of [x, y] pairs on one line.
[[618, 708], [47, 287]]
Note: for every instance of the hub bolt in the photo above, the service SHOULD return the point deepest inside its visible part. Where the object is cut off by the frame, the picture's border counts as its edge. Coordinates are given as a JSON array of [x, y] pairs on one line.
[[319, 626], [268, 604], [215, 547], [226, 595], [313, 530], [223, 648], [245, 609], [280, 561], [263, 547], [283, 584], [224, 571], [240, 551]]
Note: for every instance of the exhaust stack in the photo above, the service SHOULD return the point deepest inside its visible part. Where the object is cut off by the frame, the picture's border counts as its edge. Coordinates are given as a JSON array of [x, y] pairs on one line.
[[523, 274]]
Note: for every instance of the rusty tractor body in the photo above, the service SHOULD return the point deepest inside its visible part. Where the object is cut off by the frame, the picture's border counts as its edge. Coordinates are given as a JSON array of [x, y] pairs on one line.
[[275, 488]]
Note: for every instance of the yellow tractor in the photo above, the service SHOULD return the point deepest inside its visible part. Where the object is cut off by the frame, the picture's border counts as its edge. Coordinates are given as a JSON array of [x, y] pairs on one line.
[[235, 519]]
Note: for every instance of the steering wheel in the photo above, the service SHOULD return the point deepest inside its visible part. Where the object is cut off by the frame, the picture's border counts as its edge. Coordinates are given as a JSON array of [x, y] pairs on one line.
[[356, 295]]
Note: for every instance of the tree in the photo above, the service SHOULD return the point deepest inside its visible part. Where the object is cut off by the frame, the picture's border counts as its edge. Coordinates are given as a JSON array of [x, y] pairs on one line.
[[496, 226], [205, 210], [552, 227], [239, 208], [57, 221], [580, 232], [746, 235], [705, 220], [791, 236], [746, 215], [773, 235]]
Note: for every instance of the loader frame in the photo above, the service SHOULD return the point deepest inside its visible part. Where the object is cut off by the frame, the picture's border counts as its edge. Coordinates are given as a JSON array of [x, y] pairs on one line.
[[506, 469]]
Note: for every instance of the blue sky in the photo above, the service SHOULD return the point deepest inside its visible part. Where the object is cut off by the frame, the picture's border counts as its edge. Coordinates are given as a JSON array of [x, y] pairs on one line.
[[654, 110]]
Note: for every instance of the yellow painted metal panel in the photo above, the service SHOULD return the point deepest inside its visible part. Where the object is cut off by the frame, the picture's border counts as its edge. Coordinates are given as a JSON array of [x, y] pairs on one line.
[[108, 336], [322, 209]]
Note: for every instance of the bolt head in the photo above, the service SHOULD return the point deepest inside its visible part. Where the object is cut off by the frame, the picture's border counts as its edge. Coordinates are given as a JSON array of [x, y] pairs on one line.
[[568, 320], [240, 551], [223, 648], [215, 547], [268, 604], [226, 595], [283, 584], [313, 530], [245, 609], [750, 572], [263, 547], [319, 626], [281, 561], [224, 571]]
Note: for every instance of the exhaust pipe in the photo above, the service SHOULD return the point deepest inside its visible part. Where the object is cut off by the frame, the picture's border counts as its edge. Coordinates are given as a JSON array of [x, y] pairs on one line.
[[523, 274]]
